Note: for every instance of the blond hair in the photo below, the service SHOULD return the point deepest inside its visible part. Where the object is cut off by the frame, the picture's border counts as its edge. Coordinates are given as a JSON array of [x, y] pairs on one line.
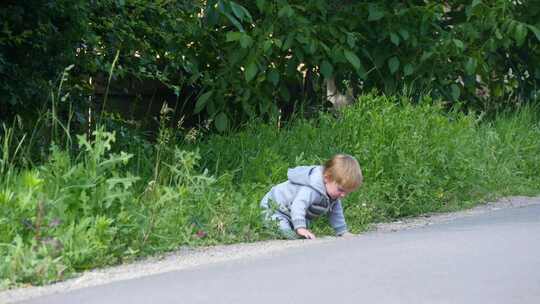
[[344, 170]]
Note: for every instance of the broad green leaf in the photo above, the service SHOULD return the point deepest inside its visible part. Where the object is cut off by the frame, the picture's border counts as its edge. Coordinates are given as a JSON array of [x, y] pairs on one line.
[[470, 66], [249, 18], [459, 44], [248, 109], [221, 122], [286, 11], [235, 22], [211, 108], [455, 91], [394, 38], [233, 36], [476, 2], [404, 34], [251, 71], [393, 64], [273, 76], [237, 10], [337, 55], [246, 41], [288, 42], [408, 69], [375, 12], [261, 4], [520, 34], [498, 34], [201, 102], [426, 56], [535, 30], [241, 12], [326, 69], [302, 38], [312, 47], [353, 59], [267, 45], [351, 40]]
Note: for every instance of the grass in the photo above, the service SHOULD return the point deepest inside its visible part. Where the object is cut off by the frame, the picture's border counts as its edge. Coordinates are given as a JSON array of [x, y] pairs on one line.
[[119, 197]]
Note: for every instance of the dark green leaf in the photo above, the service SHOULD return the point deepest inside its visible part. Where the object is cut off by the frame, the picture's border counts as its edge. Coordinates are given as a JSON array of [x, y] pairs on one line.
[[425, 56], [273, 76], [237, 10], [470, 66], [286, 11], [248, 109], [221, 122], [251, 71], [312, 47], [520, 34], [404, 34], [375, 12], [246, 41], [201, 102], [351, 40], [393, 64], [459, 44], [234, 22], [476, 2], [261, 4], [455, 91], [241, 12], [233, 36], [535, 30], [408, 69], [394, 38], [498, 34], [288, 42], [326, 69], [353, 59], [267, 45]]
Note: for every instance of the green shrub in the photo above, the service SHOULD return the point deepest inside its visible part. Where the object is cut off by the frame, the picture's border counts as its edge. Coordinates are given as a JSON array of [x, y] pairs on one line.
[[111, 202]]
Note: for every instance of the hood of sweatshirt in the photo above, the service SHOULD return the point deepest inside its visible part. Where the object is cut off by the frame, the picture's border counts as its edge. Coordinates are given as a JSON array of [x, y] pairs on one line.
[[311, 176]]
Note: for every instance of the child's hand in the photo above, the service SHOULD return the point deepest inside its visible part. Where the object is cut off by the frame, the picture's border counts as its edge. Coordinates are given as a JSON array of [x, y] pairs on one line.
[[303, 232]]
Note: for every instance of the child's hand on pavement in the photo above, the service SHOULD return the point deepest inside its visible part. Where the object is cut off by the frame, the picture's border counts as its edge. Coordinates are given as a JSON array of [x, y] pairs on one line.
[[303, 232]]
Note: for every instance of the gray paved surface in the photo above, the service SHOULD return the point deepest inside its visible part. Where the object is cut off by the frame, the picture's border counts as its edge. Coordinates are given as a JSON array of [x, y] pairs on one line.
[[490, 258]]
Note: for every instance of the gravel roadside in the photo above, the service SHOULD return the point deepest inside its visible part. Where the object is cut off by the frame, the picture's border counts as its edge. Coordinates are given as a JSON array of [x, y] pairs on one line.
[[191, 257]]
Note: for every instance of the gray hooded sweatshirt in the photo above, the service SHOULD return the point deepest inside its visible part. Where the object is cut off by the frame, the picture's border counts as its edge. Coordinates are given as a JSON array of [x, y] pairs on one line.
[[304, 189]]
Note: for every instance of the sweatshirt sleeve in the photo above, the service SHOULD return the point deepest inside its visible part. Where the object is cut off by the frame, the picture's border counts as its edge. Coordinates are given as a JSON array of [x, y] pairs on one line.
[[299, 205], [337, 219]]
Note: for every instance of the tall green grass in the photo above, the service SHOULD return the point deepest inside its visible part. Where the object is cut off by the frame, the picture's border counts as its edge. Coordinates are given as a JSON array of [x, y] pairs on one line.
[[118, 197]]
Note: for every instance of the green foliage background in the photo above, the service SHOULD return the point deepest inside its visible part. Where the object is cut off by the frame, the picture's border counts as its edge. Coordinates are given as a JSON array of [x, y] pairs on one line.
[[233, 60]]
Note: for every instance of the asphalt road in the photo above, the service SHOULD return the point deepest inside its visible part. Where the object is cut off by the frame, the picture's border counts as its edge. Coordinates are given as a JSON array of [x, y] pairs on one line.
[[489, 258]]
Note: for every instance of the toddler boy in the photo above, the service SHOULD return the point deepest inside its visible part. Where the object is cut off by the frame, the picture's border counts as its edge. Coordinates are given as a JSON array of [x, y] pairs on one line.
[[310, 192]]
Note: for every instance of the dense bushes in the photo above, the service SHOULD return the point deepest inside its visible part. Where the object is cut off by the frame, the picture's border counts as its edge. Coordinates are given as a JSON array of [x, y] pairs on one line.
[[121, 197], [231, 61]]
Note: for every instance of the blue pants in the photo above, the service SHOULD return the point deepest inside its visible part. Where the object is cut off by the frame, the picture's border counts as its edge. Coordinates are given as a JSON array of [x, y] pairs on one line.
[[271, 217]]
